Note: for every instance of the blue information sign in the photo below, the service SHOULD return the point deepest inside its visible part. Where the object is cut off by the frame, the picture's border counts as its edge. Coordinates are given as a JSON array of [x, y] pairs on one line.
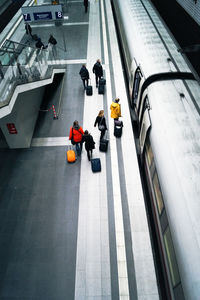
[[59, 15], [42, 16]]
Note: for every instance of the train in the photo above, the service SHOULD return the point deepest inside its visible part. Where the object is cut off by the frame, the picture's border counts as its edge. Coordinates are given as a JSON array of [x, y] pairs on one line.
[[165, 97]]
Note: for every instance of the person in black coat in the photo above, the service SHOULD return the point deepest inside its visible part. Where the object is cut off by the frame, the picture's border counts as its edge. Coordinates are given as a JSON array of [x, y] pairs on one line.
[[101, 121], [85, 3], [84, 75], [52, 40], [89, 143], [28, 29], [98, 71], [39, 44]]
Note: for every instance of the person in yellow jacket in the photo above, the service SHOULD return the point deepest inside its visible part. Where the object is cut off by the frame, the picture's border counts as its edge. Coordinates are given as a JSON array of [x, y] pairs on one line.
[[115, 108]]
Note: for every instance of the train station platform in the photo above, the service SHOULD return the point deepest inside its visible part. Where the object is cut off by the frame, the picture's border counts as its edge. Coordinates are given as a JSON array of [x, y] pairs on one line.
[[68, 233]]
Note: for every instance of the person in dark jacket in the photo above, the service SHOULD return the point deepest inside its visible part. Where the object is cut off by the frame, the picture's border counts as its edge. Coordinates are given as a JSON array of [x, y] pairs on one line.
[[85, 3], [52, 45], [39, 44], [52, 40], [28, 29], [84, 75], [101, 121], [98, 71], [75, 135], [89, 143]]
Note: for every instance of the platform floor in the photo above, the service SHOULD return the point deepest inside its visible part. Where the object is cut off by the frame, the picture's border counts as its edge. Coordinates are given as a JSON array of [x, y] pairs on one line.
[[65, 232]]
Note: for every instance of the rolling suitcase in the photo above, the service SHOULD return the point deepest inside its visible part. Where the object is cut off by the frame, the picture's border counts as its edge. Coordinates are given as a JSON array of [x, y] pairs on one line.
[[96, 165], [102, 81], [103, 145], [89, 90], [118, 131], [101, 89], [71, 156]]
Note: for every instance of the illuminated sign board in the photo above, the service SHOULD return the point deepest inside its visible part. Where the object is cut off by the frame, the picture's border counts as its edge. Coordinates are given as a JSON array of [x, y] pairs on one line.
[[42, 13]]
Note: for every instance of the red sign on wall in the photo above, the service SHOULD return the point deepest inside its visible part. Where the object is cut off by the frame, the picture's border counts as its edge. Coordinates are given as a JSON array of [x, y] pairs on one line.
[[11, 128]]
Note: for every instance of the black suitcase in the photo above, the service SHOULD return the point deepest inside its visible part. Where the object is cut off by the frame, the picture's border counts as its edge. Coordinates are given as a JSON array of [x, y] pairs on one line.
[[118, 131], [102, 81], [101, 89], [103, 145], [118, 123], [89, 90], [96, 165]]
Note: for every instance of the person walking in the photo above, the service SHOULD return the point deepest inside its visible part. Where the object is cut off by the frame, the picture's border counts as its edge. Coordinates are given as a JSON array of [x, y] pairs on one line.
[[101, 121], [115, 108], [85, 3], [89, 144], [52, 44], [39, 44], [28, 29], [75, 135], [98, 71], [84, 75], [52, 40]]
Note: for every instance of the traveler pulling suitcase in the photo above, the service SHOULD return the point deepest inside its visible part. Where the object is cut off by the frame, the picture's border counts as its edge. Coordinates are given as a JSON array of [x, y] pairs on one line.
[[96, 165]]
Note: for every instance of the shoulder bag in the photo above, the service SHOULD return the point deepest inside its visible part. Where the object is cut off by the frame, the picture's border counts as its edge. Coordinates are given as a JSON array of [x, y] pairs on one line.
[[101, 126]]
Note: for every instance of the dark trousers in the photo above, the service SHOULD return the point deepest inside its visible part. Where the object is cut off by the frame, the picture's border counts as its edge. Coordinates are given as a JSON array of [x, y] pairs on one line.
[[97, 79], [89, 154], [85, 81], [79, 147], [102, 134]]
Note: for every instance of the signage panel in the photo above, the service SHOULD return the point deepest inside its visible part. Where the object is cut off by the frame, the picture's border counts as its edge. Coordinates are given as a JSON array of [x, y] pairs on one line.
[[42, 13], [42, 16]]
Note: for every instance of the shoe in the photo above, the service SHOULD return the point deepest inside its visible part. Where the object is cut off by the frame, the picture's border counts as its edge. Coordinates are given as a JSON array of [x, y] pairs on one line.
[[96, 85], [89, 158]]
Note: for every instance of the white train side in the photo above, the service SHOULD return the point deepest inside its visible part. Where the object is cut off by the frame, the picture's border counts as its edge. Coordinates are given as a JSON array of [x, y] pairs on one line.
[[166, 99]]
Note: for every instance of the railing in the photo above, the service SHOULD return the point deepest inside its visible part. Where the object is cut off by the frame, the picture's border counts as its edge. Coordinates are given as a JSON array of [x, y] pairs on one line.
[[20, 64]]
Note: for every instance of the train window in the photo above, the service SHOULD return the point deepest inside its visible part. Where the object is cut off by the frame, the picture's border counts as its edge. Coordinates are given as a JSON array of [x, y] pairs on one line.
[[136, 84], [149, 152], [158, 193], [173, 267]]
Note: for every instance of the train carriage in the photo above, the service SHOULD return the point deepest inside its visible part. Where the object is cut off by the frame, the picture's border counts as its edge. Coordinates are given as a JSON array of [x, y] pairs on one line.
[[166, 99]]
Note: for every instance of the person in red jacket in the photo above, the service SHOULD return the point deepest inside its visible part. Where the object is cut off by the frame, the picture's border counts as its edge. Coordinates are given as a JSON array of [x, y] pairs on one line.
[[76, 135]]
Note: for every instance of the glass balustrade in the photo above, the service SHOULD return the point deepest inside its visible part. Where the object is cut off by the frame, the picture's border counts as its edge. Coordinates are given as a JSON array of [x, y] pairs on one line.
[[20, 64]]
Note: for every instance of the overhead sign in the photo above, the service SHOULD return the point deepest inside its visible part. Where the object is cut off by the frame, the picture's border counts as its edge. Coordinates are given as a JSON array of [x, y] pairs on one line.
[[43, 16], [42, 13]]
